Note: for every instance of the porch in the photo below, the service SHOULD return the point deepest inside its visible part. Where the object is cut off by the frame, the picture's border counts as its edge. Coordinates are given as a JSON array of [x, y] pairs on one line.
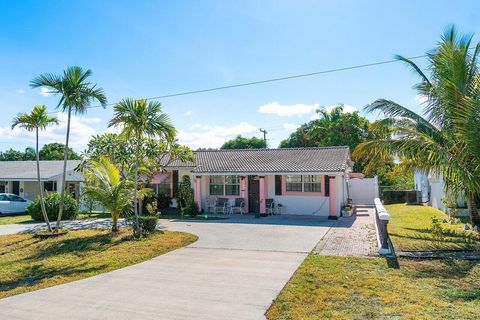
[[272, 194]]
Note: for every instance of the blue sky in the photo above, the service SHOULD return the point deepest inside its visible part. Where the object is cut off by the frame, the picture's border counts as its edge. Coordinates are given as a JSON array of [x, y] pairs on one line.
[[151, 48]]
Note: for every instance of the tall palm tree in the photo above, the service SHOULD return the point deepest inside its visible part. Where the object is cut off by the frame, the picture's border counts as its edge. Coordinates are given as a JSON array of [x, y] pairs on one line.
[[37, 120], [77, 94], [444, 140], [139, 118], [105, 185]]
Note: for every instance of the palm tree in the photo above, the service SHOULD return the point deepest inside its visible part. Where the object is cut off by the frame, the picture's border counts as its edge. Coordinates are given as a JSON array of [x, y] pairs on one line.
[[77, 94], [105, 185], [445, 140], [37, 120], [139, 118]]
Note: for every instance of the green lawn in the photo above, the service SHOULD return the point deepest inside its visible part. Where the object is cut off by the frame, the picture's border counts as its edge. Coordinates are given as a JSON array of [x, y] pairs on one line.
[[410, 230], [368, 288], [25, 218], [28, 263]]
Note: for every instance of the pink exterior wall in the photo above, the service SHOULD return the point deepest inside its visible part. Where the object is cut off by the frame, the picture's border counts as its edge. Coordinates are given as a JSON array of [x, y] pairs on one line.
[[333, 189], [161, 176], [198, 193]]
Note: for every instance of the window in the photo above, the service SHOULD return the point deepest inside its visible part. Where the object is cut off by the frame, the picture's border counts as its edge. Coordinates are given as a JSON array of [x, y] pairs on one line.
[[50, 186], [15, 198], [164, 186], [224, 186], [232, 186], [310, 183]]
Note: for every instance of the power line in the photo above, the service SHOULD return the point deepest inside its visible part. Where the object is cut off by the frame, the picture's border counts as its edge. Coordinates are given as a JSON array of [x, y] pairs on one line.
[[252, 83]]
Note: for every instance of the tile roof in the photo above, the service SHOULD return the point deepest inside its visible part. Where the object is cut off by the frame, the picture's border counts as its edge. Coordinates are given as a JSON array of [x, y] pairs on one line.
[[283, 160], [27, 170]]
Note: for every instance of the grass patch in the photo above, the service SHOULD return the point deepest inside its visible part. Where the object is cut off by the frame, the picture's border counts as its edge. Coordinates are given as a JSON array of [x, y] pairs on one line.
[[186, 217], [367, 288], [410, 230], [18, 218], [28, 263]]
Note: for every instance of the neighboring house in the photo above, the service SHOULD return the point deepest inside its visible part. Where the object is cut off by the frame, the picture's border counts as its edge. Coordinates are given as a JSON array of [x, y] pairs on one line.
[[20, 177], [432, 189], [308, 181]]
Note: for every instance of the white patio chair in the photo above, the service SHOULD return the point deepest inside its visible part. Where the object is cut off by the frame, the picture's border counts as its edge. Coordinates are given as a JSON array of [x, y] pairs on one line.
[[221, 205], [270, 206], [239, 206], [210, 204]]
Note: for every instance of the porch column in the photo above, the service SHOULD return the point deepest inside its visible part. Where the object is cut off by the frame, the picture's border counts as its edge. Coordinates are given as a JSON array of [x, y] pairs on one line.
[[333, 189], [262, 195], [198, 193], [21, 189]]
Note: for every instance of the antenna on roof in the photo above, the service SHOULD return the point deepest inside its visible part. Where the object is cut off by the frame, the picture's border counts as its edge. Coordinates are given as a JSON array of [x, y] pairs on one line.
[[264, 136]]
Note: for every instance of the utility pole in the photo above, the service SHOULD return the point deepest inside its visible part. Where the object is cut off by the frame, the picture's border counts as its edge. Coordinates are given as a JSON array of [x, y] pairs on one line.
[[264, 136]]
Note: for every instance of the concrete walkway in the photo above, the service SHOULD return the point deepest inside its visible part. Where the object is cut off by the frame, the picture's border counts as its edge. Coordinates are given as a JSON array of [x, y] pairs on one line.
[[234, 271], [351, 236]]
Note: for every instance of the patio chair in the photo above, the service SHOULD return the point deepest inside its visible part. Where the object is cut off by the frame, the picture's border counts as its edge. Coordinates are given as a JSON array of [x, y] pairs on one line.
[[279, 209], [269, 206], [238, 205], [222, 205], [210, 204]]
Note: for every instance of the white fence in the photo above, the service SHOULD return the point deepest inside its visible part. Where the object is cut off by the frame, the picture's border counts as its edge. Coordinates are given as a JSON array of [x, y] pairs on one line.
[[363, 191]]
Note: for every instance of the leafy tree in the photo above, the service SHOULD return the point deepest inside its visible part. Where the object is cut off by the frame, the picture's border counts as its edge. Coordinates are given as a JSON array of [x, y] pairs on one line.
[[37, 120], [29, 154], [105, 185], [137, 119], [244, 143], [11, 155], [55, 151], [300, 138], [445, 140], [77, 94]]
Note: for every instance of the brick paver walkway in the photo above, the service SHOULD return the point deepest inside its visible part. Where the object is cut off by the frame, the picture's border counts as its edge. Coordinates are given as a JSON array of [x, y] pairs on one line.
[[351, 236]]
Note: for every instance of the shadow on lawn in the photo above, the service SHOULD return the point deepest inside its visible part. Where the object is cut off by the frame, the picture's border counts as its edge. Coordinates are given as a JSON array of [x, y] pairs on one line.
[[76, 246], [448, 239], [35, 274]]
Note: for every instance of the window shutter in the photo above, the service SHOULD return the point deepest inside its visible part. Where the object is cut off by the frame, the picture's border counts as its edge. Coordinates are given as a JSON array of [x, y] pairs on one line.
[[327, 186], [278, 185], [175, 182]]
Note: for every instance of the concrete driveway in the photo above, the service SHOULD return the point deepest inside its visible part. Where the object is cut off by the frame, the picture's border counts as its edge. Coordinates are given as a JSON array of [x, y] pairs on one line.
[[234, 271]]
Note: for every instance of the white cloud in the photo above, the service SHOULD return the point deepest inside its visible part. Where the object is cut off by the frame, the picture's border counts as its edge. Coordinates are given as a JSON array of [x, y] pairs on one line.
[[45, 92], [21, 91], [206, 136], [290, 126], [346, 109], [421, 99], [81, 130], [188, 114], [283, 110]]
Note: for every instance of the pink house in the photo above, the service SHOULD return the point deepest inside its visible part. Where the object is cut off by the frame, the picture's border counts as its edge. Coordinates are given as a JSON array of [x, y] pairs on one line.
[[303, 181]]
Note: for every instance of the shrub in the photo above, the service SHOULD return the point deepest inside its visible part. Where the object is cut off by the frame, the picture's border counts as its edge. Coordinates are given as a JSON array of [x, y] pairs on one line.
[[163, 201], [52, 205], [191, 209], [185, 196], [147, 223]]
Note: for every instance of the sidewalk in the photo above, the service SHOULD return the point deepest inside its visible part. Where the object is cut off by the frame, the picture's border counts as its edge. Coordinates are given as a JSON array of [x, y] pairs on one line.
[[351, 236]]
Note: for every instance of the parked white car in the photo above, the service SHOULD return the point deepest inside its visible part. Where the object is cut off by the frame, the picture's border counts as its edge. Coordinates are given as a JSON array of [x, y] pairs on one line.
[[11, 203]]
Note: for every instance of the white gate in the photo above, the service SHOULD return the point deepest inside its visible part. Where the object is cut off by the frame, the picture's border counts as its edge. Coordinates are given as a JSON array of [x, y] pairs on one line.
[[363, 191]]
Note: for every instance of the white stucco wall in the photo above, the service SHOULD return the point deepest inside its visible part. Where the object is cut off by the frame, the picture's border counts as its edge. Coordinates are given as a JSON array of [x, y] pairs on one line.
[[309, 205]]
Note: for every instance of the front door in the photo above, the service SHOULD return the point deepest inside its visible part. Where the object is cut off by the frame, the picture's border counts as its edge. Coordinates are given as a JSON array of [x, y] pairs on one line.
[[16, 187], [253, 194]]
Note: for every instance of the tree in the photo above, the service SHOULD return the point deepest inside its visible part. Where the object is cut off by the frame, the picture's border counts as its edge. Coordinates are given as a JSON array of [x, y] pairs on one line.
[[29, 154], [139, 118], [445, 140], [300, 138], [77, 94], [105, 185], [37, 120], [11, 155], [55, 151], [244, 143]]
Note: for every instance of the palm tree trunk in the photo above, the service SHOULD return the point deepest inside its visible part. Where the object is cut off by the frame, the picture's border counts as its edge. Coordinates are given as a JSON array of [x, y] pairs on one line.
[[135, 201], [115, 222], [42, 200], [64, 174], [472, 210]]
